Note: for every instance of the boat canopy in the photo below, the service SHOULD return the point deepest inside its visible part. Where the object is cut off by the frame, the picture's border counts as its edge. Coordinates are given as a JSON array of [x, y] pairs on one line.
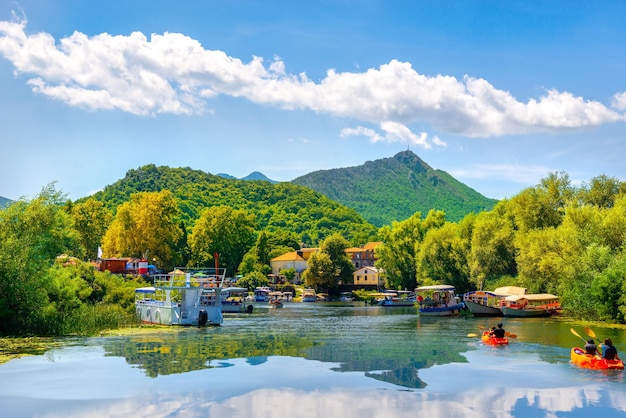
[[534, 297], [149, 289], [435, 287], [510, 290], [234, 289]]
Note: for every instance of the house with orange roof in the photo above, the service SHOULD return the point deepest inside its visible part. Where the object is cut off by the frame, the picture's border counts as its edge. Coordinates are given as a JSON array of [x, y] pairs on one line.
[[368, 276], [296, 260]]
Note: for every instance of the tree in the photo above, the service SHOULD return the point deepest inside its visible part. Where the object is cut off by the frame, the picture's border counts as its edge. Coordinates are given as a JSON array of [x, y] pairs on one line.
[[330, 265], [401, 241], [146, 225], [225, 231], [91, 219], [442, 258], [32, 234], [493, 249]]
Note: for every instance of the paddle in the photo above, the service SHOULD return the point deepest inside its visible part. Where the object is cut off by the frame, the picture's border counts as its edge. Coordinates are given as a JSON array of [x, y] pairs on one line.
[[592, 334], [510, 335], [573, 331], [471, 335]]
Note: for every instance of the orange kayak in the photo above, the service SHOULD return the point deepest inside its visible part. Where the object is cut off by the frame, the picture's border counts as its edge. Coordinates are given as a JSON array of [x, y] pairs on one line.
[[491, 340], [588, 361]]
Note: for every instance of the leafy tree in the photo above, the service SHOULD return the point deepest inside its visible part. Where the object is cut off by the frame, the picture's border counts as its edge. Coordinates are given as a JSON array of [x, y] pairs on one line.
[[330, 264], [493, 250], [146, 225], [32, 234], [223, 230], [401, 241], [442, 258], [91, 220], [253, 280]]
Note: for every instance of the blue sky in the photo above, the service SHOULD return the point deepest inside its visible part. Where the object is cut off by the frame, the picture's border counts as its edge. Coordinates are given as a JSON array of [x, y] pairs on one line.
[[497, 93]]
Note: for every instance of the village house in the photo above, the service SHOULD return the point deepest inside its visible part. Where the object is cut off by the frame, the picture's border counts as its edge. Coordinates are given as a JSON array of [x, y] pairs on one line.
[[368, 276], [360, 256]]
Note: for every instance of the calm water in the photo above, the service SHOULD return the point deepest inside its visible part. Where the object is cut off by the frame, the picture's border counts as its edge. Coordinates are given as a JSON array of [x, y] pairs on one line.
[[318, 360]]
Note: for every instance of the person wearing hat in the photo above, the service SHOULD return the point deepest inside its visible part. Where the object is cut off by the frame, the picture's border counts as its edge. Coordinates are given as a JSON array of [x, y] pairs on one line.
[[591, 348]]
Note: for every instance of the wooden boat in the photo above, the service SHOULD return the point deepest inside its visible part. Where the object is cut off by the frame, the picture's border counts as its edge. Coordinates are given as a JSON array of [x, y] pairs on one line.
[[581, 359], [438, 300], [530, 305], [492, 340], [487, 303], [398, 298], [182, 297]]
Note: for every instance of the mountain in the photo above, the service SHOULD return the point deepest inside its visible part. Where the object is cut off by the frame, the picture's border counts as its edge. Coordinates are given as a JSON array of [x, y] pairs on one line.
[[393, 189], [4, 202], [281, 206], [255, 175]]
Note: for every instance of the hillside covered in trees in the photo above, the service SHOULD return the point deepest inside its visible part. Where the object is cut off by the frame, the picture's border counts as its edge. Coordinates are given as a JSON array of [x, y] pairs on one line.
[[281, 206], [393, 189]]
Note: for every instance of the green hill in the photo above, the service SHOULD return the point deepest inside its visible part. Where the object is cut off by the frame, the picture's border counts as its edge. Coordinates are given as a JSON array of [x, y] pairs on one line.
[[281, 206], [4, 201], [393, 189]]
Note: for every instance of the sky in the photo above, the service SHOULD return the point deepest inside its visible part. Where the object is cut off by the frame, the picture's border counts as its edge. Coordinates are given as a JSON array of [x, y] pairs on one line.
[[499, 94]]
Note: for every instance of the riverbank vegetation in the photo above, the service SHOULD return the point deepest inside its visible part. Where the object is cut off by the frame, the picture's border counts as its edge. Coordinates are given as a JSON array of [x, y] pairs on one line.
[[554, 237]]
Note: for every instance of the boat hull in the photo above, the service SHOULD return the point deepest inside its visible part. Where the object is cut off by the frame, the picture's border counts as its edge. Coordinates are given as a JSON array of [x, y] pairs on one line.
[[491, 340], [478, 309], [524, 313], [587, 361], [440, 310], [163, 314], [390, 303]]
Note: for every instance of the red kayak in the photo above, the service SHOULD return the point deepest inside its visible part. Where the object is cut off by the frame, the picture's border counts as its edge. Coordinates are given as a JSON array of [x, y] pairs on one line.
[[492, 340], [581, 359]]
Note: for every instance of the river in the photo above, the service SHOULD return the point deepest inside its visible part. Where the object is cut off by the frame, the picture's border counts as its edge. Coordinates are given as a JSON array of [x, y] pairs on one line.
[[318, 360]]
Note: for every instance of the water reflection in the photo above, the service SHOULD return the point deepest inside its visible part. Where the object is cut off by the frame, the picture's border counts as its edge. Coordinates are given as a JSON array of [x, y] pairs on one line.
[[312, 360]]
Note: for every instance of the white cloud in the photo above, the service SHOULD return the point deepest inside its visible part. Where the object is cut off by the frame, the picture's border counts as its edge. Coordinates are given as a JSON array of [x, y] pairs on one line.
[[173, 73], [619, 101]]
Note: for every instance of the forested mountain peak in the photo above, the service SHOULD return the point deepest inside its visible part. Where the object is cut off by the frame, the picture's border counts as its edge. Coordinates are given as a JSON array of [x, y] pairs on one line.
[[393, 189]]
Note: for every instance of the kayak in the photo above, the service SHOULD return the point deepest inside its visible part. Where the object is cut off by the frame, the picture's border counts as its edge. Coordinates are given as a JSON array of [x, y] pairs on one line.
[[491, 340], [596, 362]]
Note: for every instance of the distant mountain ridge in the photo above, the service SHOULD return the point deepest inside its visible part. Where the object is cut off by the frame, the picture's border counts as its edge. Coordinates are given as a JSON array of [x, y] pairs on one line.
[[393, 189], [4, 201], [255, 175]]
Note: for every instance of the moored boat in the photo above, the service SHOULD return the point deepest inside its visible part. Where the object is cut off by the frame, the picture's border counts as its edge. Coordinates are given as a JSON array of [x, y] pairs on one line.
[[398, 298], [262, 294], [487, 303], [438, 300], [493, 340], [309, 295], [346, 297], [234, 300], [530, 305], [180, 298], [588, 361]]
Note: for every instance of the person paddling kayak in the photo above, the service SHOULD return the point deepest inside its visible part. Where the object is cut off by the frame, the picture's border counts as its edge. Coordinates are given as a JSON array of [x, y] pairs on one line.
[[609, 352]]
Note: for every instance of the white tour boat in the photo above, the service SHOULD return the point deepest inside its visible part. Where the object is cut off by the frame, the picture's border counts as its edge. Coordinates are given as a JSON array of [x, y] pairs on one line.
[[182, 297]]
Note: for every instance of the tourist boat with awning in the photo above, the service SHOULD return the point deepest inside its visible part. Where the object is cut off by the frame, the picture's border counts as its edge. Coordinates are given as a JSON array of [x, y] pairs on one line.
[[487, 303], [530, 305], [438, 300], [262, 294], [182, 297]]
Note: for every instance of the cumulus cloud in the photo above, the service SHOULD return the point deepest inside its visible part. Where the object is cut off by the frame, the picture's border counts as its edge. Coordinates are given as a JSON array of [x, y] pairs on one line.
[[173, 73]]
